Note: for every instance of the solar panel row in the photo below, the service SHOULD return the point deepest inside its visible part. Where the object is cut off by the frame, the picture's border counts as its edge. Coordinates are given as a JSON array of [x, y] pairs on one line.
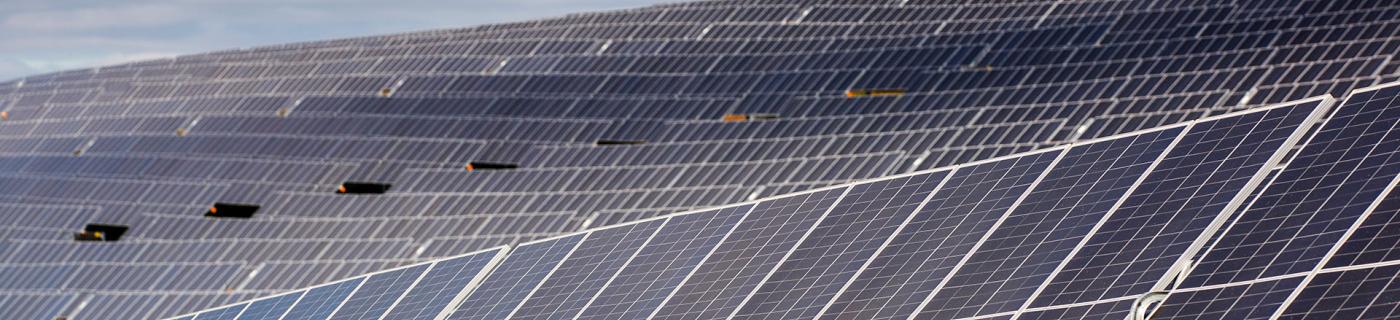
[[599, 119], [1085, 230]]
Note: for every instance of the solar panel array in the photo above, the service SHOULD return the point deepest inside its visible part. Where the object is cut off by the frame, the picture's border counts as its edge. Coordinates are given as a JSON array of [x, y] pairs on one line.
[[1001, 195], [1155, 224]]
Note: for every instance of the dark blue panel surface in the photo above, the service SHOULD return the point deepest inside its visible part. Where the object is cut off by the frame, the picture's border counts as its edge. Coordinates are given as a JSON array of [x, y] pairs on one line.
[[271, 308], [443, 283], [378, 293], [663, 263], [225, 313], [1245, 301], [839, 246], [580, 277], [1372, 293], [1018, 256], [940, 234], [755, 247], [1376, 240], [1117, 310], [509, 284], [318, 303], [1304, 212], [1178, 200]]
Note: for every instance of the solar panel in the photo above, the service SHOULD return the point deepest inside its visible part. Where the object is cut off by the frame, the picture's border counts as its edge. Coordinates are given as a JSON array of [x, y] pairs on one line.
[[1223, 302], [1114, 310], [1019, 254], [867, 216], [506, 134], [1377, 238], [760, 242], [225, 313], [1369, 293], [917, 258], [320, 302], [513, 280], [678, 248], [593, 263], [446, 284], [1303, 214], [379, 292], [1213, 169], [270, 308]]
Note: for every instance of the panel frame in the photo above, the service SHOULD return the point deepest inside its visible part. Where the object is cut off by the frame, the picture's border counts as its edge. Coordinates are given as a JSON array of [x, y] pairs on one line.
[[1327, 105], [643, 245], [452, 308], [1360, 220], [501, 253], [739, 307], [664, 219], [1324, 105], [947, 176]]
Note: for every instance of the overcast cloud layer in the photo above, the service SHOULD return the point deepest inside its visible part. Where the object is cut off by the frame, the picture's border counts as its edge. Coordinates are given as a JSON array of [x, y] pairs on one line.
[[39, 36]]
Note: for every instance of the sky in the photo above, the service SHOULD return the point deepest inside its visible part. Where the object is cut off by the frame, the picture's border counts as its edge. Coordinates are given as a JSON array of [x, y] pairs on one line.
[[40, 36]]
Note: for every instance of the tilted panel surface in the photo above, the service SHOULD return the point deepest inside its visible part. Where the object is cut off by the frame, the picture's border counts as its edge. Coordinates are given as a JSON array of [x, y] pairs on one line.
[[664, 263], [840, 245], [1036, 235], [1208, 170], [755, 247], [917, 259]]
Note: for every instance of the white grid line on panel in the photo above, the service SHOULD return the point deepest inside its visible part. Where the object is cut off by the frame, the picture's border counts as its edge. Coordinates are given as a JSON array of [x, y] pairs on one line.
[[1121, 199], [951, 272], [795, 245]]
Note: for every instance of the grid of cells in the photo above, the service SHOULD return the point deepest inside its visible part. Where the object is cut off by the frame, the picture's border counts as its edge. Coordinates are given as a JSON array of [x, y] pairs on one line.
[[1209, 169], [1371, 293], [505, 134], [511, 282], [271, 308], [1304, 212], [378, 293], [441, 285], [320, 302], [760, 242], [664, 263], [587, 270], [1241, 301], [918, 258], [1376, 240], [856, 228], [1042, 229]]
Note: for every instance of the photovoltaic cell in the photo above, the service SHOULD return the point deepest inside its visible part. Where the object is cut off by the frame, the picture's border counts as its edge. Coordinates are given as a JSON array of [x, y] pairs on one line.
[[754, 248], [378, 293], [840, 245], [508, 284], [1372, 293], [442, 284], [271, 308], [910, 267], [1041, 231], [596, 260], [1304, 212], [225, 313], [1116, 310], [1245, 301], [1376, 240], [663, 263], [1184, 194], [318, 303]]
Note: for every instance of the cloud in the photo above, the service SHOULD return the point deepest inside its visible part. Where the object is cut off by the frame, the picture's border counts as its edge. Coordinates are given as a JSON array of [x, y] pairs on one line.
[[97, 18], [51, 35], [11, 68]]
